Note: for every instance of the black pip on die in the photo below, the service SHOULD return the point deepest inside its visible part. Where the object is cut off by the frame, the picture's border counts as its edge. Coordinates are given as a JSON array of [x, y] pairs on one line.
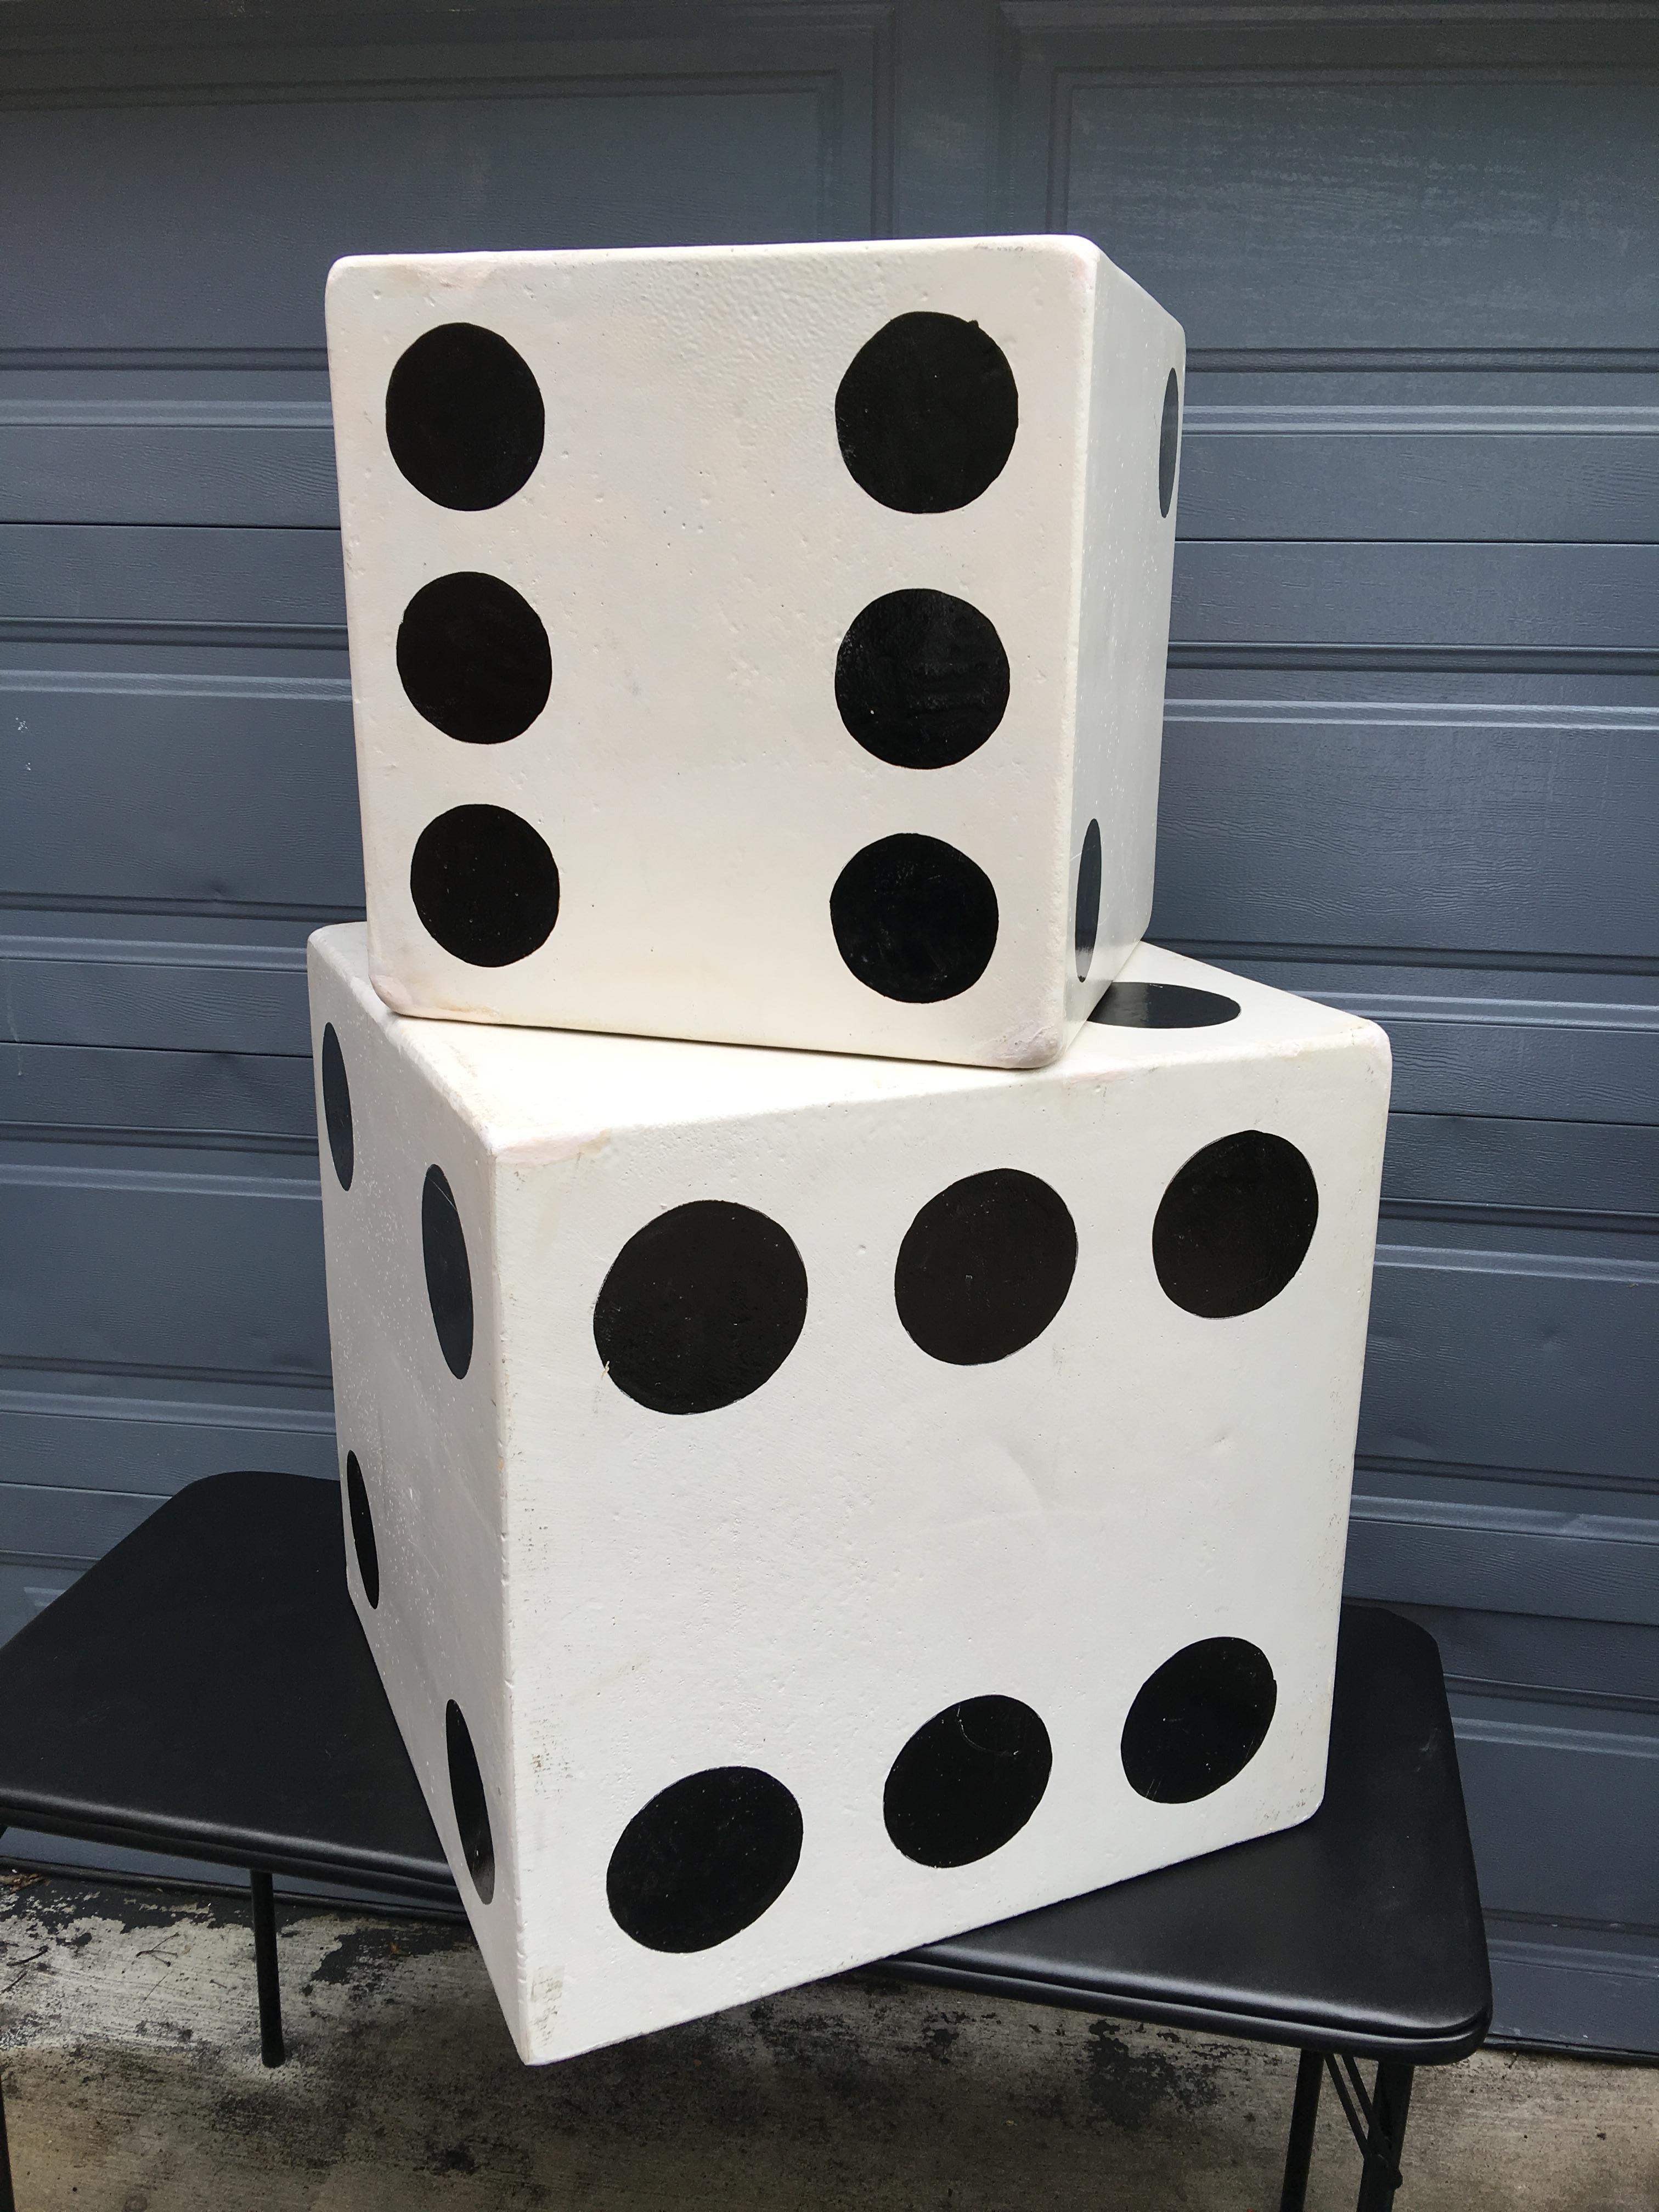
[[802, 1505], [762, 644]]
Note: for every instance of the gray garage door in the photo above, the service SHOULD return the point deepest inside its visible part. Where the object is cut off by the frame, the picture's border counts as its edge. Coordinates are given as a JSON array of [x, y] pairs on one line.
[[1413, 722]]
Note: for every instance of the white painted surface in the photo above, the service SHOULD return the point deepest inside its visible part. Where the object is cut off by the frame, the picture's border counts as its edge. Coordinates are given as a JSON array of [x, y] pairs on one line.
[[798, 1581], [697, 550]]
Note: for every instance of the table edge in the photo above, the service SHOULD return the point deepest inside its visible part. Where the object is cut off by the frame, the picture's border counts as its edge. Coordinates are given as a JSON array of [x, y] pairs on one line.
[[1443, 2046], [412, 1878]]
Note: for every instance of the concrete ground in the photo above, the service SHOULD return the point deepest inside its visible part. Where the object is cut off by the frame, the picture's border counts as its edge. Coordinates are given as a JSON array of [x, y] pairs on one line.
[[131, 2060]]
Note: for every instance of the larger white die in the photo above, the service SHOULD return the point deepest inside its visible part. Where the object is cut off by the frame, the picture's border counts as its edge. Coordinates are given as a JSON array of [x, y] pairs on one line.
[[758, 643], [805, 1506]]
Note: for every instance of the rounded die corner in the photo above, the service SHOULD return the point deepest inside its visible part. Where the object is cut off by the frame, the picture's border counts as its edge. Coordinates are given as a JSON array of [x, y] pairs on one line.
[[383, 977], [1087, 258], [346, 274], [1373, 1041], [1040, 1044]]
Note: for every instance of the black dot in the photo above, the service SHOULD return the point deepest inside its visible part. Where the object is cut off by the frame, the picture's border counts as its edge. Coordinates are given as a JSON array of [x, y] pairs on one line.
[[1169, 443], [448, 1277], [464, 417], [1087, 926], [1164, 1006], [921, 679], [1199, 1721], [704, 1859], [336, 1108], [926, 414], [466, 1794], [914, 919], [968, 1782], [700, 1307], [985, 1266], [1234, 1225], [484, 885], [474, 658], [362, 1530]]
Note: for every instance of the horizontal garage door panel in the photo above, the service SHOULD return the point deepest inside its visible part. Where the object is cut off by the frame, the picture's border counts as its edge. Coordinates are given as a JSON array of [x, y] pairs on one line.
[[1512, 1359], [210, 999], [1583, 1990], [159, 1270], [1296, 478], [181, 1096], [1597, 1168], [1280, 822], [70, 1525], [1528, 1779], [260, 582], [99, 1465], [180, 790], [148, 1445], [1309, 211], [1515, 1652], [1544, 1562], [1549, 598], [235, 463], [192, 204], [1567, 1070]]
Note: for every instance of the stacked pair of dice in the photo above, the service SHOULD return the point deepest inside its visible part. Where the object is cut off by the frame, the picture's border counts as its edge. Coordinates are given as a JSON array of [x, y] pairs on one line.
[[846, 1361]]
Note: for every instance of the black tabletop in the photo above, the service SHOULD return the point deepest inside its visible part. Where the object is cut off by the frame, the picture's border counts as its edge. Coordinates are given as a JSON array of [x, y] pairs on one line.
[[206, 1689], [1358, 1931]]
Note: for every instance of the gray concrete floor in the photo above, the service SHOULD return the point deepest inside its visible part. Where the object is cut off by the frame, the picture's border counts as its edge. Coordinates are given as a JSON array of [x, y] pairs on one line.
[[130, 2061]]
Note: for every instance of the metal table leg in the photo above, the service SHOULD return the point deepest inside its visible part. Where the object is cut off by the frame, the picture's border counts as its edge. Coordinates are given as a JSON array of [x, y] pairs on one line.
[[1376, 2122], [1304, 2112], [265, 1964], [1385, 2139]]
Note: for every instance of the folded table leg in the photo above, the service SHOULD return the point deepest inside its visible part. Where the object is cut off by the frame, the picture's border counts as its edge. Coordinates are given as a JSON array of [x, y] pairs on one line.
[[1304, 2112], [264, 1965], [1377, 2123], [1386, 2137]]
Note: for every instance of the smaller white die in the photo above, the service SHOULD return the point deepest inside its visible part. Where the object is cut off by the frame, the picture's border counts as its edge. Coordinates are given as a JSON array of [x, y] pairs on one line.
[[762, 644], [805, 1506]]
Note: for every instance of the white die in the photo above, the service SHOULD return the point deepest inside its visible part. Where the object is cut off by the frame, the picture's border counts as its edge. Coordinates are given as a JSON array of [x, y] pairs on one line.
[[758, 643], [805, 1506]]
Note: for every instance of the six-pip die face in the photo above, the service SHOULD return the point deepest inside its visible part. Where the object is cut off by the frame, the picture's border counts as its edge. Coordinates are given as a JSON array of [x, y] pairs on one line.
[[759, 644]]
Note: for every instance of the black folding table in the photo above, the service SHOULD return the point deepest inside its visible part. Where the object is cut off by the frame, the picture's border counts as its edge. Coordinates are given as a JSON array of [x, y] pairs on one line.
[[205, 1690]]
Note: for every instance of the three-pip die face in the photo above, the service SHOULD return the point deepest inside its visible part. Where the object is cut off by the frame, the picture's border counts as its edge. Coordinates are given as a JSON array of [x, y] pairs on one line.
[[802, 1506], [762, 644]]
